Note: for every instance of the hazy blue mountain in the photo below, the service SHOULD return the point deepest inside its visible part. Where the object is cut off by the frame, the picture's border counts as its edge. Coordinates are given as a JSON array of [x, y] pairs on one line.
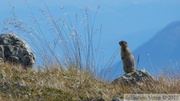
[[161, 51]]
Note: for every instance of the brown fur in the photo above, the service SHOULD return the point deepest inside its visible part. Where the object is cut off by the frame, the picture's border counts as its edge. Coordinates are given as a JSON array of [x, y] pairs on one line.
[[127, 57]]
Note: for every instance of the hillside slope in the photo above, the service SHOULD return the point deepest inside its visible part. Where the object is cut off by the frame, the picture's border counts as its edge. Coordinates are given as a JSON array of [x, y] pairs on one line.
[[55, 84]]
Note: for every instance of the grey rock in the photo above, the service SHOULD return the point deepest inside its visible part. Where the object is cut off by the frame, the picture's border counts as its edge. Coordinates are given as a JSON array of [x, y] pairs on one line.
[[17, 84], [138, 77], [15, 50], [117, 99], [93, 99]]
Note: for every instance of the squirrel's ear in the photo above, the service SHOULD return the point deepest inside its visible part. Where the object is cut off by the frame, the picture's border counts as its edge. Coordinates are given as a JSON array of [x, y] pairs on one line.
[[125, 42]]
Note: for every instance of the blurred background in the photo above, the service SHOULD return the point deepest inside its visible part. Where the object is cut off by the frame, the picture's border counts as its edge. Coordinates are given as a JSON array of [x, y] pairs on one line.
[[151, 28]]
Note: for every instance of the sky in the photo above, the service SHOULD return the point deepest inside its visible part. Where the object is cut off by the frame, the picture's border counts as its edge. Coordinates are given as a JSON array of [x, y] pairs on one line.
[[135, 21]]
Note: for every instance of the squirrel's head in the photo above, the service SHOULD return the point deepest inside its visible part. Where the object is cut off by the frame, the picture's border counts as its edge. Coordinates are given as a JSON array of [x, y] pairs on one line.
[[123, 43]]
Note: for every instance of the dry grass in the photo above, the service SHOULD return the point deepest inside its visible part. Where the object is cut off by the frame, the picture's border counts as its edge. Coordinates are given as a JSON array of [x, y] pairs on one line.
[[71, 84]]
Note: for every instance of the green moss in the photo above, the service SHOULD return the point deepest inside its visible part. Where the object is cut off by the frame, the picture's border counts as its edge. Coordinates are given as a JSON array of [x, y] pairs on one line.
[[56, 95]]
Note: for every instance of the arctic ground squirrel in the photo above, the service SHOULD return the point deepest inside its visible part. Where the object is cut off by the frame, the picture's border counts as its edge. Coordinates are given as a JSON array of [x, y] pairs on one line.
[[129, 64]]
